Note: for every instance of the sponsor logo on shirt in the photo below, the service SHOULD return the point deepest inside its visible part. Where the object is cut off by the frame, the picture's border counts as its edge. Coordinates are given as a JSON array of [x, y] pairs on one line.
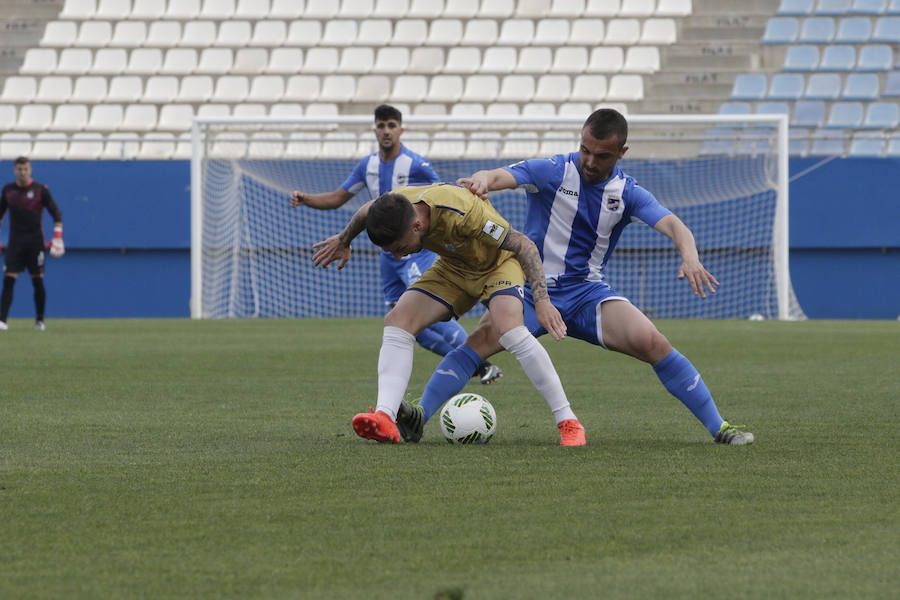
[[30, 194], [567, 192], [494, 230], [612, 203]]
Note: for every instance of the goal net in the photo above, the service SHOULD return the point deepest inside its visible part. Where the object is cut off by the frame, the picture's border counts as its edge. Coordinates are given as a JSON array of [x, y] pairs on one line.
[[725, 176]]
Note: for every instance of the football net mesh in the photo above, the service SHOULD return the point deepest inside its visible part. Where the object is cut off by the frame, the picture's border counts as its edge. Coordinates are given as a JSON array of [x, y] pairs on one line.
[[252, 253]]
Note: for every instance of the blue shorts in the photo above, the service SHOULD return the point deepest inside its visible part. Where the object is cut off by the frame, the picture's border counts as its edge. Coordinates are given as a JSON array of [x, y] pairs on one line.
[[397, 275], [579, 305]]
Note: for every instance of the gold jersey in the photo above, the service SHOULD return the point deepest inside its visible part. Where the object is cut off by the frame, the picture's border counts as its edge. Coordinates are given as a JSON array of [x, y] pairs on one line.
[[465, 231]]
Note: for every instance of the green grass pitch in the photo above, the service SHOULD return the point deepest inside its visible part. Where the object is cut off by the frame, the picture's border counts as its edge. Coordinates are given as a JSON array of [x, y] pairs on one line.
[[179, 459]]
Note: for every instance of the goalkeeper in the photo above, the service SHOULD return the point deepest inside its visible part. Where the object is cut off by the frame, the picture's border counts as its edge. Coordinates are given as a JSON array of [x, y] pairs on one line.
[[395, 165], [578, 205], [26, 200], [481, 259]]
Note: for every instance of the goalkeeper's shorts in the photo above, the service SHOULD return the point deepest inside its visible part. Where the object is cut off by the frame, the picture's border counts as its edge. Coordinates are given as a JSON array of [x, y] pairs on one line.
[[24, 256]]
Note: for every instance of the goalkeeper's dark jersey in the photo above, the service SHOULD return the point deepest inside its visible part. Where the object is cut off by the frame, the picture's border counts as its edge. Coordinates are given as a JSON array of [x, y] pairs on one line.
[[25, 205]]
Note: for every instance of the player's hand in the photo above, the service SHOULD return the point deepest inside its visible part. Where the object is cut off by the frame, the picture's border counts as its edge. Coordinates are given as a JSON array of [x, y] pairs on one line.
[[329, 251], [698, 277], [297, 199], [476, 185], [57, 248], [550, 319]]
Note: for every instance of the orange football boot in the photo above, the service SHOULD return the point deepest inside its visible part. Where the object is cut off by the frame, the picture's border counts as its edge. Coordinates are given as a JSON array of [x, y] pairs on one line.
[[571, 433], [377, 426]]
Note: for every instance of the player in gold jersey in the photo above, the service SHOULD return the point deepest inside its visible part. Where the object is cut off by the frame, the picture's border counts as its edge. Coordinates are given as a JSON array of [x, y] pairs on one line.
[[480, 258]]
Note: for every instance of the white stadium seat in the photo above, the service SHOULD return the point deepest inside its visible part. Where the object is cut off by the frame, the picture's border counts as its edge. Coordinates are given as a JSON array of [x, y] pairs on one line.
[[340, 32], [285, 61], [356, 9], [249, 110], [38, 61], [233, 34], [606, 59], [497, 9], [195, 89], [217, 9], [214, 110], [129, 34], [90, 89], [175, 117], [552, 88], [641, 59], [54, 89], [462, 60], [391, 9], [266, 88], [624, 88], [410, 88], [144, 61], [35, 117], [70, 117], [160, 89], [322, 109], [674, 8], [269, 34], [601, 8], [516, 88], [121, 146], [448, 144], [105, 117], [139, 117], [480, 88], [410, 32], [567, 8], [94, 34], [74, 61], [19, 89], [179, 61], [551, 32], [302, 88], [587, 32], [372, 88], [445, 88], [85, 146], [250, 61], [659, 31], [59, 34], [15, 144], [479, 32], [198, 34], [464, 9], [157, 146], [637, 8], [321, 60], [588, 88], [163, 34], [374, 32], [303, 145], [114, 10], [125, 89], [78, 9], [426, 9], [357, 60], [280, 9], [570, 59], [497, 60], [520, 144], [215, 61], [49, 146], [231, 89], [622, 32], [183, 9], [516, 32], [304, 33], [427, 60], [536, 60], [8, 116], [445, 32], [532, 9], [148, 10], [321, 9], [395, 60], [109, 61], [286, 109], [337, 88]]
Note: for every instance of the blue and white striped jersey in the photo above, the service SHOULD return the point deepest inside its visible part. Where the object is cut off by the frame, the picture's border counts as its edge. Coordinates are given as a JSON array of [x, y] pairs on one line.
[[575, 224], [407, 168]]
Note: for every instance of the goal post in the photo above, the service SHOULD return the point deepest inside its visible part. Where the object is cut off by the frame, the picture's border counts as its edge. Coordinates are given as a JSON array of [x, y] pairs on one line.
[[725, 176]]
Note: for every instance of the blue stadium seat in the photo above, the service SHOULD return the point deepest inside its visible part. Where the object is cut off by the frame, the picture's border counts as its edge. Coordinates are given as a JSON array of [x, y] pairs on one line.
[[891, 85], [754, 141], [823, 86], [795, 8], [808, 113], [773, 108], [833, 7], [781, 30], [786, 86], [868, 7], [801, 58], [750, 86], [817, 30], [720, 141], [827, 143], [893, 145], [798, 142], [735, 108], [861, 86], [853, 30], [893, 8], [887, 29], [867, 144], [845, 115], [875, 57], [838, 58], [882, 115]]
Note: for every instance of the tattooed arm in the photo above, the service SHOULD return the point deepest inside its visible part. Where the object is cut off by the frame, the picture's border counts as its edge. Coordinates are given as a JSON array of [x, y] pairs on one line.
[[530, 259], [337, 247]]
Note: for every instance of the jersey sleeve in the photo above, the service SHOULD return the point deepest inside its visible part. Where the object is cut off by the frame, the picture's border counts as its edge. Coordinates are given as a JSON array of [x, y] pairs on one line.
[[533, 174], [646, 207], [50, 204], [3, 203], [357, 179]]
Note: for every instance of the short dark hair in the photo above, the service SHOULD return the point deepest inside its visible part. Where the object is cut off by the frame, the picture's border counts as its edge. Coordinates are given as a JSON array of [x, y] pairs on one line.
[[22, 160], [390, 218], [607, 122], [386, 112]]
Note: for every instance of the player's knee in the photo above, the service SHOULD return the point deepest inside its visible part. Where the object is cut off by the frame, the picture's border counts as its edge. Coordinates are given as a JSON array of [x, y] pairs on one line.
[[654, 346]]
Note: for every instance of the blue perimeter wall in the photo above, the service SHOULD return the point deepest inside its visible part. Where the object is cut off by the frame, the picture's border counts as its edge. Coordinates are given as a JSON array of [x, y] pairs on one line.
[[127, 234]]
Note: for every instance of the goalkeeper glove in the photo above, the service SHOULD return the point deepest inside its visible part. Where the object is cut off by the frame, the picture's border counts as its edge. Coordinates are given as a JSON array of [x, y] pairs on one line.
[[57, 248]]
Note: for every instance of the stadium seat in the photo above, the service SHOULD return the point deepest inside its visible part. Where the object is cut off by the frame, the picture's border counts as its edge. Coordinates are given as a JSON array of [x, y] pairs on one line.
[[219, 10], [38, 61], [144, 61], [817, 30], [249, 110], [570, 9], [861, 86], [129, 34], [882, 115], [15, 144], [887, 29], [284, 61], [321, 60], [109, 61], [175, 117], [893, 8], [410, 88], [798, 142], [125, 89], [773, 108], [640, 59], [826, 143], [390, 9], [195, 89], [866, 144], [808, 113], [749, 86], [479, 32], [357, 60], [397, 60], [233, 34], [216, 61], [845, 115], [875, 57], [539, 109], [424, 60], [444, 32], [94, 34], [502, 108], [462, 60], [838, 58], [183, 9], [624, 88], [341, 32], [54, 89], [157, 146], [516, 88], [140, 117], [589, 88], [637, 8], [372, 88], [59, 34], [78, 9], [735, 108], [674, 8], [466, 109], [658, 32], [163, 34], [622, 32], [160, 89], [587, 32], [516, 32], [266, 89], [445, 88], [374, 32], [8, 116], [74, 61], [448, 145], [410, 32], [833, 7], [121, 146], [868, 7], [497, 9], [148, 10], [853, 30], [781, 30], [279, 9], [214, 110], [551, 32], [321, 9], [337, 88], [823, 86], [801, 58], [89, 90], [719, 141], [19, 89], [532, 9], [231, 89], [552, 88], [891, 85], [606, 59], [85, 146], [497, 60], [105, 117], [356, 9], [304, 33], [250, 61], [198, 34], [893, 145], [286, 109], [534, 60], [795, 8], [601, 8], [520, 144], [70, 117], [575, 109], [49, 146], [425, 9], [570, 59], [179, 61]]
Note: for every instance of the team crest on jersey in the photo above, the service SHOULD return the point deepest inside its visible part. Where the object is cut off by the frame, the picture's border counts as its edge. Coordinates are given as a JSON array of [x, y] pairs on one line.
[[612, 202], [493, 229], [402, 180], [413, 272], [30, 194]]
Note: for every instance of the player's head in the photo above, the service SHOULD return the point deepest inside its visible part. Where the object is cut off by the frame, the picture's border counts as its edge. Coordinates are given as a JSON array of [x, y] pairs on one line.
[[603, 140], [393, 226], [388, 127], [22, 169]]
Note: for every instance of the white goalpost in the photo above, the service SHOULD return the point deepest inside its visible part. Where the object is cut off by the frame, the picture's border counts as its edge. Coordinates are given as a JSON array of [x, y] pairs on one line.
[[725, 176]]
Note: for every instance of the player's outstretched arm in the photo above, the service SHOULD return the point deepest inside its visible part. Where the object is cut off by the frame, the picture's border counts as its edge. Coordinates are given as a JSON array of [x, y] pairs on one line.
[[325, 201], [57, 247], [482, 182], [337, 247], [691, 268], [530, 259]]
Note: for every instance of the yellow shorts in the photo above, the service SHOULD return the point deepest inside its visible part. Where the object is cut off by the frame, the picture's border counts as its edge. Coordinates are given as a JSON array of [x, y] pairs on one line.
[[460, 291]]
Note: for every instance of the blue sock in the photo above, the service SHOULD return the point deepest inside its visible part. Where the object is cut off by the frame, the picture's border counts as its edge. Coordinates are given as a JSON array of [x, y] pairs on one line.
[[432, 339], [449, 378], [683, 381], [454, 333]]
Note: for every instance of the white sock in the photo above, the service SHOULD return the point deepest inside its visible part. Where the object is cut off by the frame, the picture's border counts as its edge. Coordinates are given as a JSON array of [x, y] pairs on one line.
[[394, 368], [539, 368]]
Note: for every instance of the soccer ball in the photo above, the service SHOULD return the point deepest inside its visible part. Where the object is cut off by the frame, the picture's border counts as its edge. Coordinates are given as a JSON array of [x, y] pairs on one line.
[[468, 419]]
